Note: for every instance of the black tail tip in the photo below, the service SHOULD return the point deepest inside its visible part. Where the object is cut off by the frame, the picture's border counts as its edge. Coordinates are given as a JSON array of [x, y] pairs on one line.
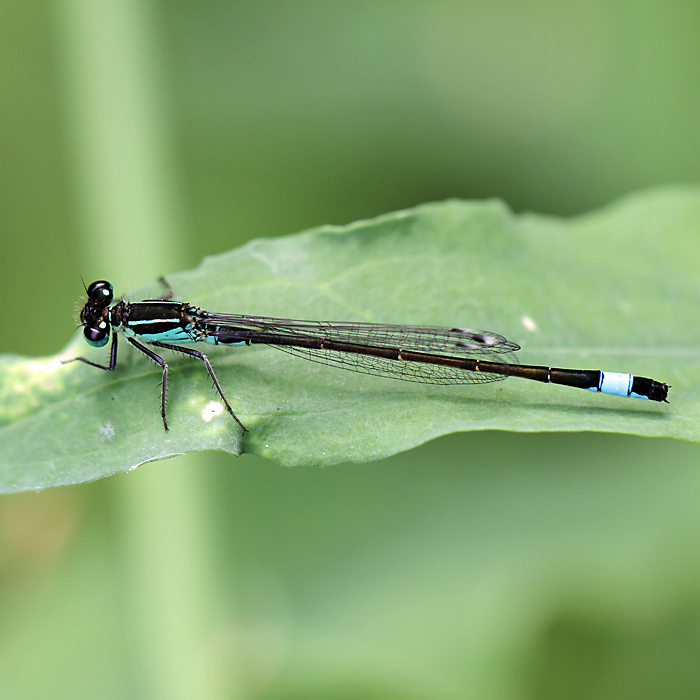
[[659, 391], [650, 389]]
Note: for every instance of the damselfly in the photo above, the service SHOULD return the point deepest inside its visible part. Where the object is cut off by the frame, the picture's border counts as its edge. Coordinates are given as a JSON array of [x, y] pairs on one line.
[[412, 353]]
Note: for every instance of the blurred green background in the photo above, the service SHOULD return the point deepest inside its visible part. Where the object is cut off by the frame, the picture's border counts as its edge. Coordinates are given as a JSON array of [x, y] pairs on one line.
[[137, 137]]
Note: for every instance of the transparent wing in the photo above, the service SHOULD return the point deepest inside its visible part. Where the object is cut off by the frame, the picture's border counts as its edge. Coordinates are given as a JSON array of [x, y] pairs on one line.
[[460, 343]]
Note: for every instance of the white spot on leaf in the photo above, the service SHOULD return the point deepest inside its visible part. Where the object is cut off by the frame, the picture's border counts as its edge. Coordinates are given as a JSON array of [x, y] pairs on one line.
[[213, 408], [46, 367], [107, 431], [528, 323]]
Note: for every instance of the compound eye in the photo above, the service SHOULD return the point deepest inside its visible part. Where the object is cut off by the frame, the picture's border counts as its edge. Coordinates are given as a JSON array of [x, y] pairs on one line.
[[98, 336], [102, 292]]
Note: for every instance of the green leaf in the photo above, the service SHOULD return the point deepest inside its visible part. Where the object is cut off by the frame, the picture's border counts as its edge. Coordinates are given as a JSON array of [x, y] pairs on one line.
[[615, 290]]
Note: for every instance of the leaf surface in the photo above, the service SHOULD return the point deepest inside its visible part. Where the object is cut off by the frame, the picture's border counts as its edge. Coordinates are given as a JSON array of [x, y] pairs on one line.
[[615, 290]]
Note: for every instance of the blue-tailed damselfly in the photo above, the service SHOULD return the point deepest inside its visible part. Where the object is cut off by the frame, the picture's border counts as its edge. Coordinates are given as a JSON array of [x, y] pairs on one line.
[[412, 353]]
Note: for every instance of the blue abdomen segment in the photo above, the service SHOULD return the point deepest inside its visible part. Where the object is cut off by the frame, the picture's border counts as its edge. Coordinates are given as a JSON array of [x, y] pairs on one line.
[[594, 380], [616, 384]]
